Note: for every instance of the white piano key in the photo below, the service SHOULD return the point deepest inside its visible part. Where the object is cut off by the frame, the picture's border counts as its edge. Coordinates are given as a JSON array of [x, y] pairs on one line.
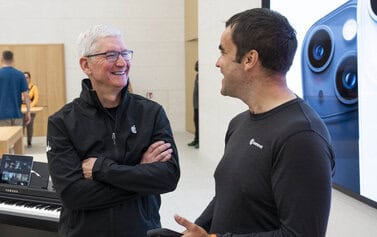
[[25, 209]]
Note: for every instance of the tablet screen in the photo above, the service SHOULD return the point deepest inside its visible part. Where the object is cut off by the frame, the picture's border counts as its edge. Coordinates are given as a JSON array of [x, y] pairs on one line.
[[16, 169]]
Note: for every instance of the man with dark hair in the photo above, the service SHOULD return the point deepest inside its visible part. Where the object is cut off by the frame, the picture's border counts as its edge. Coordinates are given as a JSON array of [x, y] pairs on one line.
[[13, 89], [275, 176]]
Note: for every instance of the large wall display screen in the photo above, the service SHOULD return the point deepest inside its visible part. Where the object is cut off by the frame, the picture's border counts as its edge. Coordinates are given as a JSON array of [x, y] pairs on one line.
[[335, 71]]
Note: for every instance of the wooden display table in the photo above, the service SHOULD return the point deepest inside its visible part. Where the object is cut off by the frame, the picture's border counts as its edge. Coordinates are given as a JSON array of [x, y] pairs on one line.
[[32, 109], [10, 136]]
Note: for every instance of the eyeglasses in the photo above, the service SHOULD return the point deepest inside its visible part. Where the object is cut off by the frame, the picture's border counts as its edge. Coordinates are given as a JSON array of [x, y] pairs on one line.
[[112, 56]]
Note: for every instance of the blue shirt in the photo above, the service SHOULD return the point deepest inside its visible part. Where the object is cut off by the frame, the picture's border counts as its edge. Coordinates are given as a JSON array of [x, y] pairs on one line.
[[12, 84]]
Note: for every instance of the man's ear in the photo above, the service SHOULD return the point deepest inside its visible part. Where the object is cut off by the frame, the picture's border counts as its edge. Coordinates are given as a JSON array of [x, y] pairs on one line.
[[251, 59], [85, 65]]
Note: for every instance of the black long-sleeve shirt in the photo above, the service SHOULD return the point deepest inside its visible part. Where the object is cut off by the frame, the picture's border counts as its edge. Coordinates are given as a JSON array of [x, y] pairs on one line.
[[275, 176]]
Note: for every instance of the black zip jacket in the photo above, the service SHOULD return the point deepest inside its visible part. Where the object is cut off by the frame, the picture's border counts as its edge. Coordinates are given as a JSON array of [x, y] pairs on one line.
[[123, 199]]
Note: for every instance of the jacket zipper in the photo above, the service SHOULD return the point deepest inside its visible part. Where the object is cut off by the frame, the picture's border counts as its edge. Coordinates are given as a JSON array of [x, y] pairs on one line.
[[113, 136], [113, 133]]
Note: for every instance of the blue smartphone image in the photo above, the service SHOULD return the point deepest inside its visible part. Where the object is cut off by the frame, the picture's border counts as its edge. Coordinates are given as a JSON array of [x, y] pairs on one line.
[[330, 86]]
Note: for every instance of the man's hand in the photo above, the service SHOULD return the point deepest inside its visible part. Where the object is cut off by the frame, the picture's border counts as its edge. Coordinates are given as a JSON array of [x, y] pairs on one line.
[[26, 100], [87, 167], [158, 151], [192, 230], [27, 118]]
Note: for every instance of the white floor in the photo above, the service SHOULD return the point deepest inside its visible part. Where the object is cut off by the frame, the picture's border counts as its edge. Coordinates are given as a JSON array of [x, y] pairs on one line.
[[195, 188]]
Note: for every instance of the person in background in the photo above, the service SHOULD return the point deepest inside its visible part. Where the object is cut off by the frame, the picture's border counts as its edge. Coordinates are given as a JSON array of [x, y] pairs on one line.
[[195, 142], [276, 173], [110, 153], [34, 97], [13, 90]]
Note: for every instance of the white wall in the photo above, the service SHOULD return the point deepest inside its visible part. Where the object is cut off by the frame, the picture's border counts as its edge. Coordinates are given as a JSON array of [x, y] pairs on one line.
[[348, 216], [153, 29]]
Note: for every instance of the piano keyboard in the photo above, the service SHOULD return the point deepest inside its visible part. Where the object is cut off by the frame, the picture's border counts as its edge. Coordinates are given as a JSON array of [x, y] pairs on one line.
[[30, 209], [34, 208]]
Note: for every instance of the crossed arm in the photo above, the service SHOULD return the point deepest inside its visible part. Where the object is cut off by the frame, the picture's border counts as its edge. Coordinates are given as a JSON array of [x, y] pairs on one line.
[[159, 151]]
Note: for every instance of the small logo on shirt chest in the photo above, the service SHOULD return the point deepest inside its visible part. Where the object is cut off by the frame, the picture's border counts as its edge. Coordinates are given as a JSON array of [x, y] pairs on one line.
[[254, 143]]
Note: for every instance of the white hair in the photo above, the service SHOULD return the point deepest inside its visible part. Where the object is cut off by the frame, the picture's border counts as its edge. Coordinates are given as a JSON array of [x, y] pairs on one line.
[[86, 41]]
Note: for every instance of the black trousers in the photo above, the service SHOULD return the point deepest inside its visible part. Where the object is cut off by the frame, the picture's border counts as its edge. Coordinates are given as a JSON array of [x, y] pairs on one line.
[[196, 122], [29, 128]]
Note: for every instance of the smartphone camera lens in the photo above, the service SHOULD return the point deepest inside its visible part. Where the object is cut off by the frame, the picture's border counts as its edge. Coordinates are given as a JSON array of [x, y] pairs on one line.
[[346, 80], [320, 49], [373, 9]]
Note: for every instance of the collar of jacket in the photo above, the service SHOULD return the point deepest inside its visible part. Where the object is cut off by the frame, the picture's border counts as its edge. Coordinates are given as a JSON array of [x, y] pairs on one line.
[[90, 96]]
